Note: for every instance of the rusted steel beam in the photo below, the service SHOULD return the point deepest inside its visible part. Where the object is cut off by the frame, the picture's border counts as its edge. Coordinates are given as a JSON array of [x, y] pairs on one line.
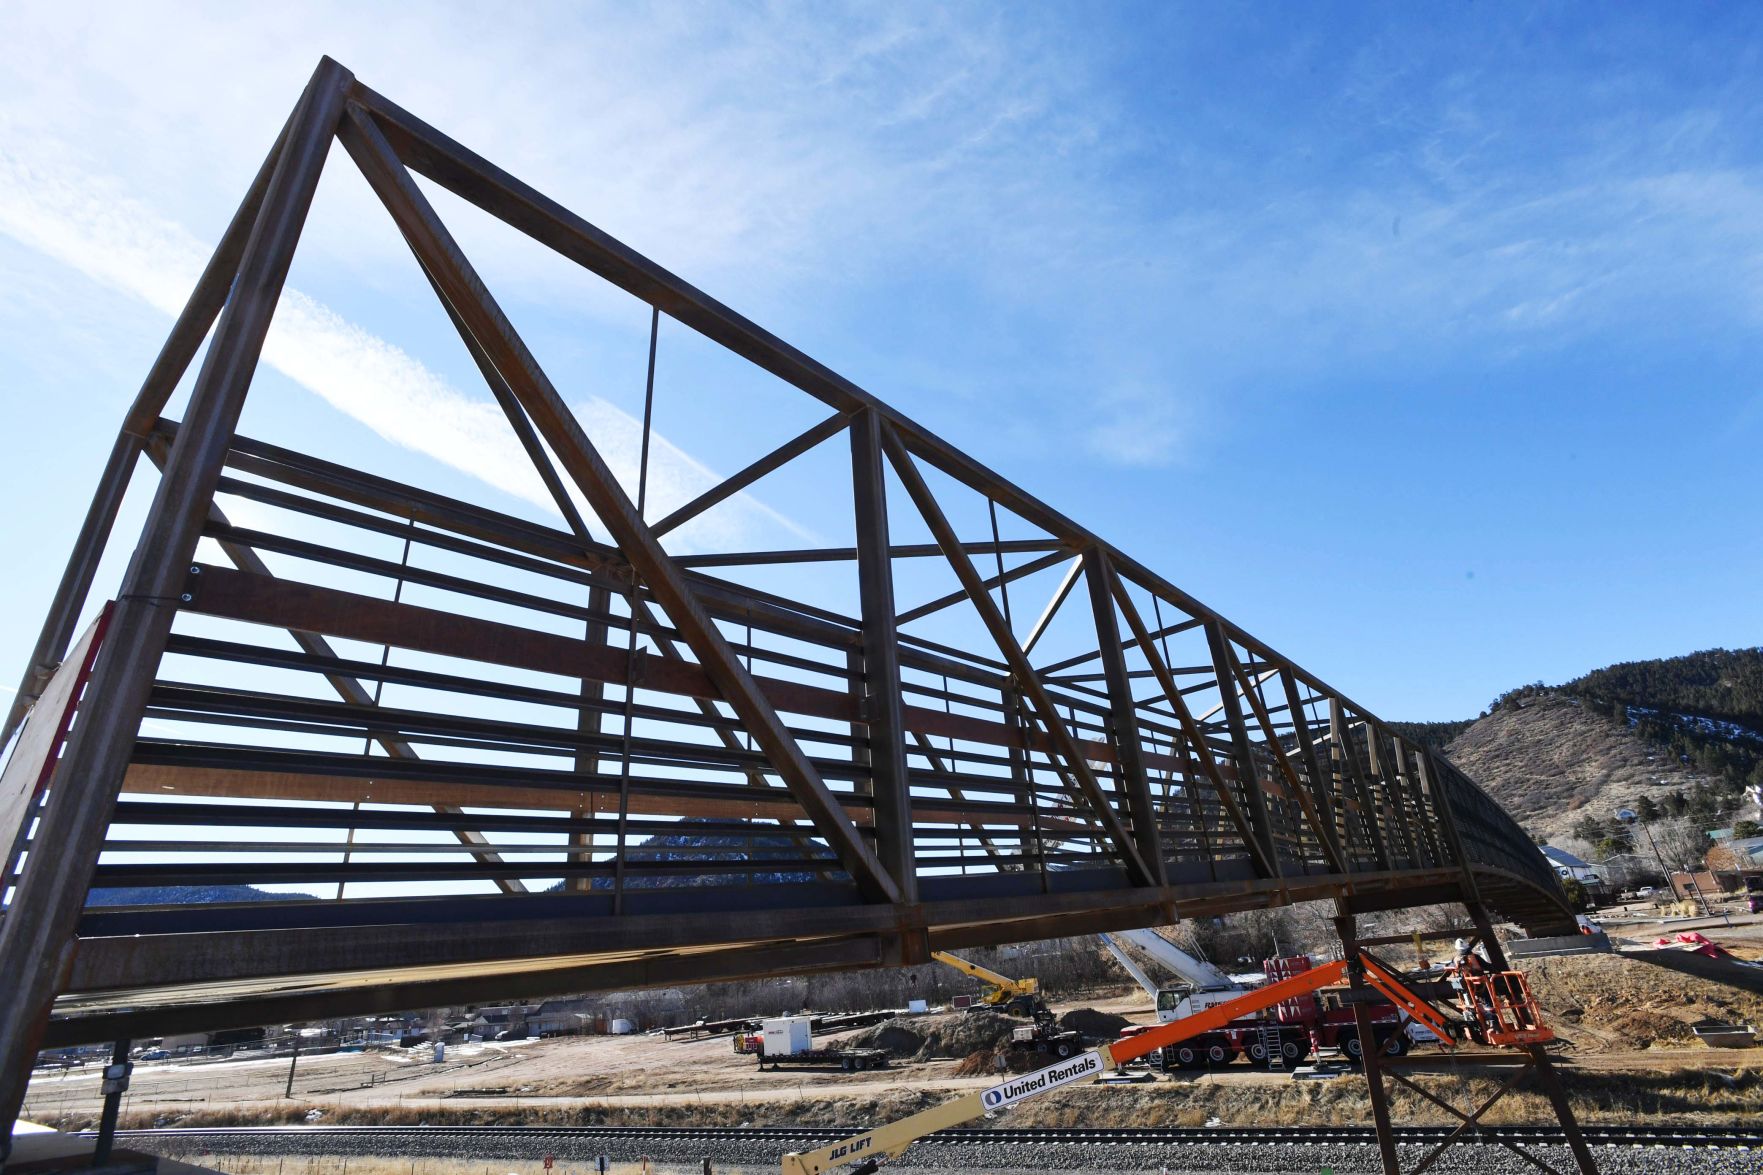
[[1065, 746], [849, 554], [1199, 747], [282, 603], [1428, 821], [1133, 776], [882, 710], [347, 687], [567, 925], [1243, 755], [1346, 755], [36, 935], [728, 487], [436, 250], [1270, 739], [1320, 781], [395, 993], [930, 607], [517, 419], [454, 787]]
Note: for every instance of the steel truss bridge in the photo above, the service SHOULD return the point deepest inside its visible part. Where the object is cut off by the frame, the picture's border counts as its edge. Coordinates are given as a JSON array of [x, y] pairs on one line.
[[565, 754]]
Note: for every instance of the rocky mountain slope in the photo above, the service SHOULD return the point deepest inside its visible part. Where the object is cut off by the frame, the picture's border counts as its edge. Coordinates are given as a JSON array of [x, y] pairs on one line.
[[1682, 733], [1550, 759]]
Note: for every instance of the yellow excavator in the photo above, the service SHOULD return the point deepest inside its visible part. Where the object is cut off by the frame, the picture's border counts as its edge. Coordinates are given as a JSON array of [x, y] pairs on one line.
[[1019, 997]]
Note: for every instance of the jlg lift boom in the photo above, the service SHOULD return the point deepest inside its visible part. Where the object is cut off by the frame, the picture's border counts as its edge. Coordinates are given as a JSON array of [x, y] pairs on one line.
[[870, 1148]]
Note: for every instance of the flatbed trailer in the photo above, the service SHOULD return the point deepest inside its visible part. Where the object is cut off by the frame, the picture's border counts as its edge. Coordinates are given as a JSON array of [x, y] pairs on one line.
[[850, 1060]]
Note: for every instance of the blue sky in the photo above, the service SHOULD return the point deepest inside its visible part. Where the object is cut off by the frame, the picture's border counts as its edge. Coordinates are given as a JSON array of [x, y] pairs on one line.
[[1423, 344]]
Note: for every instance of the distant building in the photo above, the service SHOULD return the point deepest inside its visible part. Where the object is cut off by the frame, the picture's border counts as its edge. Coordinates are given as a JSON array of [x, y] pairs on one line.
[[1732, 862], [559, 1018], [1566, 866]]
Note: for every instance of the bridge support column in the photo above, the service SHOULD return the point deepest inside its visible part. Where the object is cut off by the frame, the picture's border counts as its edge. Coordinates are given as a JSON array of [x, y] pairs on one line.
[[1539, 1056], [1370, 1053]]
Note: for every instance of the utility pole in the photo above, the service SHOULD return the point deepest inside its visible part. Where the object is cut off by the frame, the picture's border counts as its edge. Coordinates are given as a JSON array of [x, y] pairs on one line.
[[292, 1061]]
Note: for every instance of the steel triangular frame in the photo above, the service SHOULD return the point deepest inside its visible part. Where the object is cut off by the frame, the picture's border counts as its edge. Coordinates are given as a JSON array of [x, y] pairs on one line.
[[1357, 813]]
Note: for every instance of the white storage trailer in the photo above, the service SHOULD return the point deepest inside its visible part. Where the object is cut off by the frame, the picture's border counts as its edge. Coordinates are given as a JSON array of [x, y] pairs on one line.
[[785, 1036]]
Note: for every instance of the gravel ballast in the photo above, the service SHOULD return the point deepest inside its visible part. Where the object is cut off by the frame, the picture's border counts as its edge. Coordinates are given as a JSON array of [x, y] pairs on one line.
[[762, 1155]]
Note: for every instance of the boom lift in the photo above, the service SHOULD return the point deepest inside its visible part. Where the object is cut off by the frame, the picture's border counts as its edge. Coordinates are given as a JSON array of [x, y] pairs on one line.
[[1511, 1002]]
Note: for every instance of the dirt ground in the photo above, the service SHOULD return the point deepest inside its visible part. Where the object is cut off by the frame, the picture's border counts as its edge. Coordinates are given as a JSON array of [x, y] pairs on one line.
[[1623, 1021]]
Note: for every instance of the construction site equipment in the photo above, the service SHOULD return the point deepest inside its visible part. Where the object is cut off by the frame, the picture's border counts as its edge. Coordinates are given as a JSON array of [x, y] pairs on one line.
[[789, 1040], [850, 1060], [1501, 1010], [785, 1035], [1018, 997], [1275, 1037], [1202, 984], [871, 1147]]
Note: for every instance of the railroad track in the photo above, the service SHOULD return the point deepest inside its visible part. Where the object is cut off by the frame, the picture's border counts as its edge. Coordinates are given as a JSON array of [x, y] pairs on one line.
[[1626, 1136]]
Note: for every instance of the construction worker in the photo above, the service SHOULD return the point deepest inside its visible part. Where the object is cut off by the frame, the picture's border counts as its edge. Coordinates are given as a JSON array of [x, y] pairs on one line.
[[1470, 962]]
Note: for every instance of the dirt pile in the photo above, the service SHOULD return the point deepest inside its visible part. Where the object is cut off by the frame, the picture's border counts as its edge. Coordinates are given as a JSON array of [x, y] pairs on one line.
[[955, 1034], [1637, 1000], [895, 1036], [1001, 1059]]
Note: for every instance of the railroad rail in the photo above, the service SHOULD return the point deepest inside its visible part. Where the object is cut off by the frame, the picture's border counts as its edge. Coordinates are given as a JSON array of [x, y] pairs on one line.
[[1626, 1136]]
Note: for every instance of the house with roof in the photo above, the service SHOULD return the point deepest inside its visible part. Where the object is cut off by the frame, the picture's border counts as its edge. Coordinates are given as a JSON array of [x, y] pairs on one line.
[[1567, 866]]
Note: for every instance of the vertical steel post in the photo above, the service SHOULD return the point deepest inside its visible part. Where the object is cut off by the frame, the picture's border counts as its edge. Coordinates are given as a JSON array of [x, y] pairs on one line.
[[116, 1083], [1370, 1054], [1061, 742], [1248, 777], [1123, 716], [1320, 781], [1545, 1071], [36, 939], [882, 706], [1340, 737], [589, 720], [1383, 770]]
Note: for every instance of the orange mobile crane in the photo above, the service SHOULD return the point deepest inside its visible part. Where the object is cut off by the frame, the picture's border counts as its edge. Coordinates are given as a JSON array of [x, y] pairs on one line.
[[1502, 1012]]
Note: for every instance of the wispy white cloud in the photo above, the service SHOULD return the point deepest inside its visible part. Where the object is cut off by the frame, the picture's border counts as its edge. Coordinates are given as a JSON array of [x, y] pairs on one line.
[[795, 162], [85, 222]]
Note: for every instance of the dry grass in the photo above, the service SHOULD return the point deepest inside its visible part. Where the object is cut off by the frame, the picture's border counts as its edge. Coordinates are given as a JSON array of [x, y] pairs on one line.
[[1708, 1097], [1730, 1095], [1636, 1001]]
